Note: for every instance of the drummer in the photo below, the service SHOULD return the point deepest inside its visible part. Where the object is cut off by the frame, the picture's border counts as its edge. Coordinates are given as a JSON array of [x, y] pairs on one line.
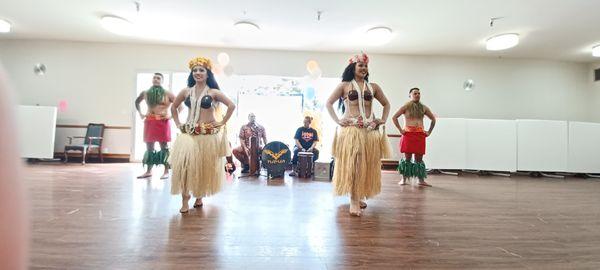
[[248, 131], [306, 139]]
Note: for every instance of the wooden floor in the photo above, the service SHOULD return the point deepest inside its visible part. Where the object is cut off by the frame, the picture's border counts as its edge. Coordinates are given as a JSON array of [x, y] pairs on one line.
[[98, 216]]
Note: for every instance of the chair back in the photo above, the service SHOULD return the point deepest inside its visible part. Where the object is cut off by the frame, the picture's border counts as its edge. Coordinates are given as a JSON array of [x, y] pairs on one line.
[[94, 130]]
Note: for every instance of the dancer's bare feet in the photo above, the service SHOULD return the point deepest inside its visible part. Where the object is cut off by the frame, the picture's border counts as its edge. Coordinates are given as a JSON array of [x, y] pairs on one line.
[[403, 182], [165, 175], [184, 204], [198, 203], [145, 175], [355, 209], [424, 184]]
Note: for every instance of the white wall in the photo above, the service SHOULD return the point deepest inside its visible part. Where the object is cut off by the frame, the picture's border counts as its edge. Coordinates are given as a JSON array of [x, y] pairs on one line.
[[98, 79], [116, 141]]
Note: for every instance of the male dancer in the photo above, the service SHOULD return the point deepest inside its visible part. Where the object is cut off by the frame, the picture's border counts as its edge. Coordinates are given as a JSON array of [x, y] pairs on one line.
[[156, 125], [412, 142]]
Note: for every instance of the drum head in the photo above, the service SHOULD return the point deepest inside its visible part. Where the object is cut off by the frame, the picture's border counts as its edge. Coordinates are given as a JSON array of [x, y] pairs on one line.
[[276, 156]]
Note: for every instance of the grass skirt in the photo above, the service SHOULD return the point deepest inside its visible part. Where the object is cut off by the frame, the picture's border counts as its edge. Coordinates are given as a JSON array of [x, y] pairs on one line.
[[197, 163], [358, 153]]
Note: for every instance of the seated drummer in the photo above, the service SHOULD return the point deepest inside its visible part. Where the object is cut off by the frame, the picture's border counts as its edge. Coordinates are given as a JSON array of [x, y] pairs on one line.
[[247, 131], [306, 139]]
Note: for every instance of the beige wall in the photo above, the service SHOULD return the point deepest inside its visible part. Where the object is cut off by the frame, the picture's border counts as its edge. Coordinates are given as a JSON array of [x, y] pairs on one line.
[[98, 79], [595, 89]]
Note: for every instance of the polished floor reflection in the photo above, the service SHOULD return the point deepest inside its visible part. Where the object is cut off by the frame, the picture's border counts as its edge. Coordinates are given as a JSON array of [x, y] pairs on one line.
[[99, 216]]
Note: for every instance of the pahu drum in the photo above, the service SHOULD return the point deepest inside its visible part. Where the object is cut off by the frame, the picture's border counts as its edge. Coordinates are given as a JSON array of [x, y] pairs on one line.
[[275, 157]]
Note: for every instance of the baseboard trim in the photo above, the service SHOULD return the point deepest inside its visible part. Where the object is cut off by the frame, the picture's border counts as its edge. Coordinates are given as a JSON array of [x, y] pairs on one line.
[[93, 157], [389, 165], [85, 126]]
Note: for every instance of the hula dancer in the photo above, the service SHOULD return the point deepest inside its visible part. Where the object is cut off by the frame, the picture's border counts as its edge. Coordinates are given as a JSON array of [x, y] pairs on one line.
[[199, 152], [156, 125], [360, 142], [412, 143]]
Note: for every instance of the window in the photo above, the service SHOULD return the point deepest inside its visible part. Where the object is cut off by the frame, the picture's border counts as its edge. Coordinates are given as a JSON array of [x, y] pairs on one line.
[[279, 103]]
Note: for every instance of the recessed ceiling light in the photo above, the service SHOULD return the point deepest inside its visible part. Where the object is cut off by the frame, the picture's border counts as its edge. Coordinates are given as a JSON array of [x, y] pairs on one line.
[[117, 25], [502, 42], [4, 26], [246, 26], [596, 51], [379, 35]]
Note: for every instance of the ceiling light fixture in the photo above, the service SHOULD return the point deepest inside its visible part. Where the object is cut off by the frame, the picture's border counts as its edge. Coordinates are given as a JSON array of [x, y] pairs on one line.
[[246, 26], [4, 26], [596, 51], [117, 25], [502, 42], [379, 35]]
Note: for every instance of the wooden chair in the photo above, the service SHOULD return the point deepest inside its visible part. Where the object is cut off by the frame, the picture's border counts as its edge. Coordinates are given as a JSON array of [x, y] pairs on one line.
[[92, 140]]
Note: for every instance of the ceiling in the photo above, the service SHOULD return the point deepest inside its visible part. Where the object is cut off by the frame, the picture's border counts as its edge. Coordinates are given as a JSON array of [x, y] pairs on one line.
[[549, 29]]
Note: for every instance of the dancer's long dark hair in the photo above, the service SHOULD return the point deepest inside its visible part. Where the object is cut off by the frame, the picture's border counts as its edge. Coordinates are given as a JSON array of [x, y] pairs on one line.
[[348, 76], [210, 80]]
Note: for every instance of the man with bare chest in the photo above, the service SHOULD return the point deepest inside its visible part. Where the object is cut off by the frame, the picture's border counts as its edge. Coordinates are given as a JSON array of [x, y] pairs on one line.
[[412, 142], [156, 125]]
